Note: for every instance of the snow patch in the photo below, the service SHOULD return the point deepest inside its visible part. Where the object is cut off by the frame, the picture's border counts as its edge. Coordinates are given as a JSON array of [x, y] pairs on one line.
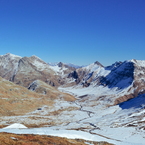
[[15, 125]]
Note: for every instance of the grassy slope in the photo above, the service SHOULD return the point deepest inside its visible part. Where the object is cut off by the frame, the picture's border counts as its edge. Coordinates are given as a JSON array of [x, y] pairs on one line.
[[17, 100]]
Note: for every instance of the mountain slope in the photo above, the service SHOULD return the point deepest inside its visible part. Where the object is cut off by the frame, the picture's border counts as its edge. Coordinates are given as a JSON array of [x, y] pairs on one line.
[[17, 100], [31, 69], [24, 71], [120, 81]]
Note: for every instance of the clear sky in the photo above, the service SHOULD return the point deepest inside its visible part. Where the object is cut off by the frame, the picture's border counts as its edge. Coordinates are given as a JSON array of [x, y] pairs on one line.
[[75, 31]]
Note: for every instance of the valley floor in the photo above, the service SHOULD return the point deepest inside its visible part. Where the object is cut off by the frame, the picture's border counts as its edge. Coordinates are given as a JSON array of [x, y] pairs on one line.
[[88, 119]]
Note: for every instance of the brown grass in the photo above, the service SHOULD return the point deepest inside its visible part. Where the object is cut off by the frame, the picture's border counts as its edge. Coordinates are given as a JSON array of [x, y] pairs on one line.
[[14, 139], [17, 100]]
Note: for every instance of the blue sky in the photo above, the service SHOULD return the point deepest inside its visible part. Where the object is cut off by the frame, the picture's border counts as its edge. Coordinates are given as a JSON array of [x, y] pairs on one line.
[[76, 31]]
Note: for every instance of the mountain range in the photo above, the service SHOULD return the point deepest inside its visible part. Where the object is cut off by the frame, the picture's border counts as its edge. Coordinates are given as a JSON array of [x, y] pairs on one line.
[[121, 76], [85, 98]]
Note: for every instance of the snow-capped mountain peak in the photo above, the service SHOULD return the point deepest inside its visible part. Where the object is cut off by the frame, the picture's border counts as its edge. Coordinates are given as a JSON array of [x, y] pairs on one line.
[[10, 56], [140, 63], [98, 63], [94, 66]]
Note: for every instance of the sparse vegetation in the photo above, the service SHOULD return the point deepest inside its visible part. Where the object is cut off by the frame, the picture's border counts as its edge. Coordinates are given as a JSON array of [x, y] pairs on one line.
[[17, 100]]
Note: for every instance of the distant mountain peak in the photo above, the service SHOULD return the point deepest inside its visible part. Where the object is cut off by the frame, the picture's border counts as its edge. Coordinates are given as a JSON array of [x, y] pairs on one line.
[[35, 58], [60, 64], [98, 63]]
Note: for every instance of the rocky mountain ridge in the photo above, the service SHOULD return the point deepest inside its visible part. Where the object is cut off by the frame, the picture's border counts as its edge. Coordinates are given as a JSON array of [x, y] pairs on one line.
[[121, 76], [128, 75], [25, 70]]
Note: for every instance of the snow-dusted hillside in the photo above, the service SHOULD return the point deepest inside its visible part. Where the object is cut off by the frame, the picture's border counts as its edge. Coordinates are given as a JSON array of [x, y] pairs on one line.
[[122, 80], [25, 70], [8, 65]]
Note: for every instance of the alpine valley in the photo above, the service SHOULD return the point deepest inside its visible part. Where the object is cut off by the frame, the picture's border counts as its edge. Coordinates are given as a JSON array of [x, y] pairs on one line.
[[95, 103]]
